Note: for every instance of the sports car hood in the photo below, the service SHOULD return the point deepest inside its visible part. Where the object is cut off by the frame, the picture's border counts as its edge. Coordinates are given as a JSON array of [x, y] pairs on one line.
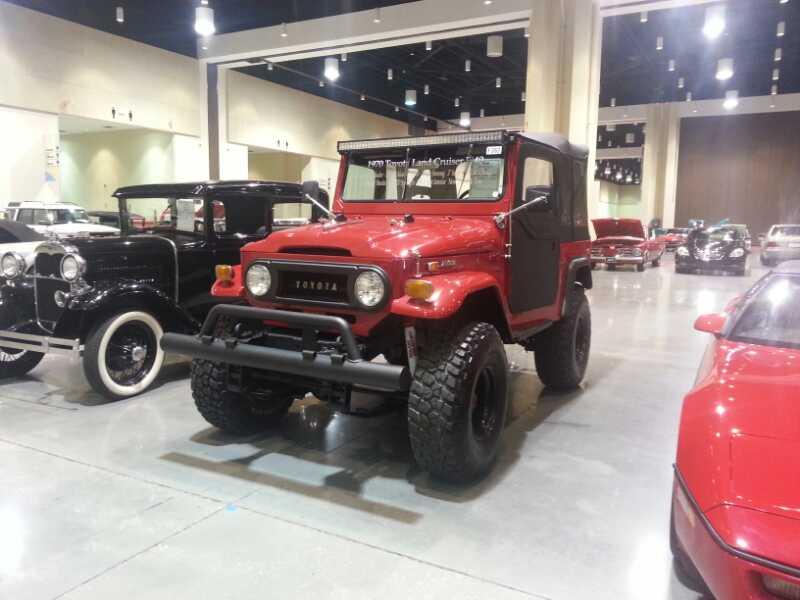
[[631, 228], [747, 425], [387, 237]]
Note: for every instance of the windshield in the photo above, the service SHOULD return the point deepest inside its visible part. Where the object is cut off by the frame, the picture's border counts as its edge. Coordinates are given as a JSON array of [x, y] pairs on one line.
[[432, 174], [772, 318], [722, 234], [72, 215], [166, 215], [792, 231]]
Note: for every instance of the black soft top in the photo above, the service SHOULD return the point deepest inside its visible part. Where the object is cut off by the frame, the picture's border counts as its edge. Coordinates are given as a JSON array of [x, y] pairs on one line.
[[557, 142], [22, 232], [187, 190]]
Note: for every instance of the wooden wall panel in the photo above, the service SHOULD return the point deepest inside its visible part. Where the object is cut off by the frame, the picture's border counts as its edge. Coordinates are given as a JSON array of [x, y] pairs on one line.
[[742, 167]]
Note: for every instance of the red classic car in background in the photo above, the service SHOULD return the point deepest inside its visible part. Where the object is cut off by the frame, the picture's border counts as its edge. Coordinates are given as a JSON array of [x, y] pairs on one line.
[[672, 238], [624, 242], [735, 525]]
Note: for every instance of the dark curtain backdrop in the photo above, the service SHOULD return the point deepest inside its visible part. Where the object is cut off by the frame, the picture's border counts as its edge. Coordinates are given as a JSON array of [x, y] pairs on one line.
[[742, 167]]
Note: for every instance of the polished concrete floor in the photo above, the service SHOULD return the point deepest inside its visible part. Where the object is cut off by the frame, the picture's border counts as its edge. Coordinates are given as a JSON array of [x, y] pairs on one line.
[[141, 499]]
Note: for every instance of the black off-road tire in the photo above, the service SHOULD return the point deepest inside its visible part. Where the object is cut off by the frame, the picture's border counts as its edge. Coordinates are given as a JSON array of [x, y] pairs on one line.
[[230, 411], [657, 261], [562, 351], [23, 362], [685, 570], [612, 267], [641, 266], [458, 402]]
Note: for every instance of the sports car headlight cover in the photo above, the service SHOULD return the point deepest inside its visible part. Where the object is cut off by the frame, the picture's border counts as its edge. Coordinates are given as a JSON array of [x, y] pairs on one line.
[[683, 251], [369, 289], [72, 267], [12, 265], [258, 280], [738, 253]]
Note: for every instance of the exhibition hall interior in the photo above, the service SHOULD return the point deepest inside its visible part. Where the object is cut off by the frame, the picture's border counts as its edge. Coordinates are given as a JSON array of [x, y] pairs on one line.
[[481, 299]]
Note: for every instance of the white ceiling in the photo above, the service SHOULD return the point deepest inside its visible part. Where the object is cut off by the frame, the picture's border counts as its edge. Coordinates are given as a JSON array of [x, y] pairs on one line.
[[70, 125]]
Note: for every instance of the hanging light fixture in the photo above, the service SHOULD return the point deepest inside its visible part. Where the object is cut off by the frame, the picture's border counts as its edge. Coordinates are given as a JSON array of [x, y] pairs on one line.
[[494, 46], [425, 118], [204, 21], [778, 54], [483, 113], [630, 138], [284, 30], [643, 17], [429, 45], [377, 16], [671, 66], [467, 66], [344, 56], [613, 102], [715, 22], [363, 96], [660, 42], [390, 74], [396, 109], [411, 97], [427, 90], [725, 69], [331, 68], [465, 120], [120, 14], [457, 102], [774, 90], [270, 66], [688, 96], [611, 127], [321, 83], [681, 83], [781, 29], [618, 176], [776, 74], [607, 172], [731, 100], [524, 97], [498, 83], [527, 33]]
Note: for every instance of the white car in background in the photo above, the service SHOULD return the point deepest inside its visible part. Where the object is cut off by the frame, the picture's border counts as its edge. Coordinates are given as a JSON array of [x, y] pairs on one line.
[[782, 243], [61, 219], [20, 240]]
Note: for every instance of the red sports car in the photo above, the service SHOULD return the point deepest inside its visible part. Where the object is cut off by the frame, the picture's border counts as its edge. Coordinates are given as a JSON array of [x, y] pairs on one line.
[[735, 526], [672, 238], [624, 242]]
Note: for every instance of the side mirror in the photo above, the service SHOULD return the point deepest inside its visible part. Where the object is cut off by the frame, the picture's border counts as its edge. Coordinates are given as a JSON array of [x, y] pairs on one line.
[[712, 323], [538, 199], [311, 188]]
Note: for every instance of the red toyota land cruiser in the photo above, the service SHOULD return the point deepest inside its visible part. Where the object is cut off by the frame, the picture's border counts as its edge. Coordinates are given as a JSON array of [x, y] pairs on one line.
[[439, 250]]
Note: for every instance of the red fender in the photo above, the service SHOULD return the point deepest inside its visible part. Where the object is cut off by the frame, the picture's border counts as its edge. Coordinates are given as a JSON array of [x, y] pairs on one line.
[[449, 292]]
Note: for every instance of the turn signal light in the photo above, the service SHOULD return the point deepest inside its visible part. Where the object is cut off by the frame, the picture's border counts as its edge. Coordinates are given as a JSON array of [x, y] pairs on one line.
[[224, 273], [419, 289]]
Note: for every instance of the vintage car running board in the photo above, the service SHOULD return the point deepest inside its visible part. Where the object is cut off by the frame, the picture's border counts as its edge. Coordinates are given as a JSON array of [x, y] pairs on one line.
[[39, 343]]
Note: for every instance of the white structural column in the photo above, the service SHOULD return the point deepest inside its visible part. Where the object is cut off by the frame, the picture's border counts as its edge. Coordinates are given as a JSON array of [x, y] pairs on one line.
[[563, 78], [660, 164]]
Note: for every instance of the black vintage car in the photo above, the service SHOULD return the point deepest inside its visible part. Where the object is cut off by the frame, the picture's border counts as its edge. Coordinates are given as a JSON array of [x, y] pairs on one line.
[[110, 299], [716, 249]]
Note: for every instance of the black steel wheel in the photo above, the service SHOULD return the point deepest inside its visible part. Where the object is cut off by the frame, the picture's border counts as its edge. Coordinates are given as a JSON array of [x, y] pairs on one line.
[[458, 402]]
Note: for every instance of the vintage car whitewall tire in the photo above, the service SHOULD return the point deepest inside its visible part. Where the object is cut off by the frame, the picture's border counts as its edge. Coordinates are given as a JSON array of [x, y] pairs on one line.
[[134, 333], [16, 363]]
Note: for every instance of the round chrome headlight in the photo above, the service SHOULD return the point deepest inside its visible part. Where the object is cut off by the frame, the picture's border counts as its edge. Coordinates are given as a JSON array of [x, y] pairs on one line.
[[738, 253], [12, 265], [258, 280], [369, 289], [682, 251], [72, 267]]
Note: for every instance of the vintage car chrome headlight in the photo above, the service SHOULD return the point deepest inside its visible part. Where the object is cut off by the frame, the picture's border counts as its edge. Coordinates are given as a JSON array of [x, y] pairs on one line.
[[12, 265], [72, 267], [682, 251], [737, 253], [369, 289], [258, 280]]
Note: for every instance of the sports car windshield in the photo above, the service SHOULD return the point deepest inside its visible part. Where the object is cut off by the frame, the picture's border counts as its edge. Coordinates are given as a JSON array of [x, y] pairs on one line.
[[429, 174], [772, 318]]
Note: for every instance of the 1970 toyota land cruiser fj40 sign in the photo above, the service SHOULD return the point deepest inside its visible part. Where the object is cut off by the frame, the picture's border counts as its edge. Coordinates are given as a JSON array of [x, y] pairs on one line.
[[439, 250]]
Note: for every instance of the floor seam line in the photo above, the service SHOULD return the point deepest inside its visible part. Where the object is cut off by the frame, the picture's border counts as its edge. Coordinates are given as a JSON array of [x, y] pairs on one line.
[[140, 552], [394, 553]]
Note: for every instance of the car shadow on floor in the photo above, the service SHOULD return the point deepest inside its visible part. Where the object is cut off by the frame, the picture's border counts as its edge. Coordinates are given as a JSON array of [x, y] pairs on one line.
[[363, 448]]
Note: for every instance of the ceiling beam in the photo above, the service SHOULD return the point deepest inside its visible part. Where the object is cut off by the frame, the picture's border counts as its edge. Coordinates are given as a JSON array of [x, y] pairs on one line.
[[613, 8]]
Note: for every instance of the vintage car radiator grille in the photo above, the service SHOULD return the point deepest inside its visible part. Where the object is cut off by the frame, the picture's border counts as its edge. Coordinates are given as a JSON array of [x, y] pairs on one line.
[[46, 308], [322, 287], [48, 265]]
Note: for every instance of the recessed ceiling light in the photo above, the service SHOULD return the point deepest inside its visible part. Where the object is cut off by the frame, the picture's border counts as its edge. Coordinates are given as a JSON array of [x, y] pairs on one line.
[[487, 2]]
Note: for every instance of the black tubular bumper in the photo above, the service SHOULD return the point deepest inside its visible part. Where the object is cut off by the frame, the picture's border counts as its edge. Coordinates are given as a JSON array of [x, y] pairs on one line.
[[347, 368]]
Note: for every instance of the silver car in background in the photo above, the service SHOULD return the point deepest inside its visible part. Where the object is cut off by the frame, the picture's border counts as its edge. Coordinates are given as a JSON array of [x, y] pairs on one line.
[[782, 243]]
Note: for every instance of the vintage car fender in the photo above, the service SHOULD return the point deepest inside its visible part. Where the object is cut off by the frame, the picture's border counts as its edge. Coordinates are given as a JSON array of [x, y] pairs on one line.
[[450, 290], [133, 294]]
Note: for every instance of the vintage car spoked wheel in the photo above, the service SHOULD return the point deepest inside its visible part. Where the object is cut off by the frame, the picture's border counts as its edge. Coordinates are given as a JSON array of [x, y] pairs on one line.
[[122, 356], [458, 402], [15, 363], [562, 351]]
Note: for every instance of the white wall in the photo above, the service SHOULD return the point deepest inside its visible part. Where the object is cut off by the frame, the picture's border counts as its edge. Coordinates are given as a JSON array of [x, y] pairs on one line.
[[94, 165], [29, 168], [56, 66], [268, 115], [620, 201], [499, 122]]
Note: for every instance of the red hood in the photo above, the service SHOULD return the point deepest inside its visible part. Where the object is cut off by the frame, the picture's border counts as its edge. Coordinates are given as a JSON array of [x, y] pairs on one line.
[[380, 236], [604, 228], [743, 427]]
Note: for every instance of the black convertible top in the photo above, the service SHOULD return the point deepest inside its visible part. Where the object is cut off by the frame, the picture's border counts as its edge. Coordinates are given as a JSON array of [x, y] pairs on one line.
[[557, 142], [187, 190], [22, 232]]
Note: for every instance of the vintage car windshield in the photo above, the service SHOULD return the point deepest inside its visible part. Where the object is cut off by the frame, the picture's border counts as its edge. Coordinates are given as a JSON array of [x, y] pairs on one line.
[[772, 317], [430, 174], [791, 231], [167, 215], [72, 215]]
